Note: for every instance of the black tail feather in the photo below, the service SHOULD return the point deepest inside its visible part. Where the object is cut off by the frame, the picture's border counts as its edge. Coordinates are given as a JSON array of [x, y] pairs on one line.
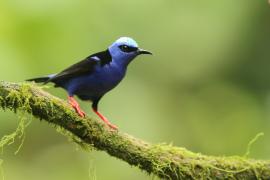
[[40, 79]]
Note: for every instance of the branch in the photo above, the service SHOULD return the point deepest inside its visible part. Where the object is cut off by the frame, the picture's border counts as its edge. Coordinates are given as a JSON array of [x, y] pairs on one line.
[[165, 161]]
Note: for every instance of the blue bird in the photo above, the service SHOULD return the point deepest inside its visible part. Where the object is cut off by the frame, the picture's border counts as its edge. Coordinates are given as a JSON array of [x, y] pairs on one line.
[[91, 78]]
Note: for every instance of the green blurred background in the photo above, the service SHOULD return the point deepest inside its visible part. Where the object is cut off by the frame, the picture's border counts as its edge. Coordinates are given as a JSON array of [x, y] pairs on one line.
[[207, 87]]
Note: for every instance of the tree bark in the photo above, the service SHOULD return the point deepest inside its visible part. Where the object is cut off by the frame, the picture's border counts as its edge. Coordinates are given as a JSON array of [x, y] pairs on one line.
[[165, 161]]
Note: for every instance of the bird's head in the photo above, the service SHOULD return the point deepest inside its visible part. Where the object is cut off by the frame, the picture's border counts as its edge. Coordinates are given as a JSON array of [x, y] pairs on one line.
[[125, 49]]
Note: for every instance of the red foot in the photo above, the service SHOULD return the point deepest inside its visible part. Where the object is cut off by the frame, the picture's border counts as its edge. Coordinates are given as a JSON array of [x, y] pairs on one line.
[[76, 106], [106, 120]]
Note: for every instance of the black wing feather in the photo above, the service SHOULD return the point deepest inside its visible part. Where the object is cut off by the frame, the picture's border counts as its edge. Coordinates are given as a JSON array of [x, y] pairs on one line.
[[85, 66], [80, 68]]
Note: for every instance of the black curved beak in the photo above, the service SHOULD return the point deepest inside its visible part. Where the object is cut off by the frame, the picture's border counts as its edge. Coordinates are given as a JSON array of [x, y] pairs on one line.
[[142, 51]]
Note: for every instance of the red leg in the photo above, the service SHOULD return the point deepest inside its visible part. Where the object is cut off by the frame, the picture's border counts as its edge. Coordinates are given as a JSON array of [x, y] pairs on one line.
[[76, 106], [105, 120]]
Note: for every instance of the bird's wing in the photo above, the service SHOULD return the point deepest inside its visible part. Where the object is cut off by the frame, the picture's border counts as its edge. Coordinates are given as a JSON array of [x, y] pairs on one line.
[[85, 66]]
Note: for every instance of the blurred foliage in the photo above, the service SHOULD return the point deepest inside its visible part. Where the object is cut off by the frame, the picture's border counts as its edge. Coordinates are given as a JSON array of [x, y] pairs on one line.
[[206, 88]]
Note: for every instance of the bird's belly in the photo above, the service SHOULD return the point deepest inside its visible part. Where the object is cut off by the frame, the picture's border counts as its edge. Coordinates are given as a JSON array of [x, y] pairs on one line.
[[98, 83]]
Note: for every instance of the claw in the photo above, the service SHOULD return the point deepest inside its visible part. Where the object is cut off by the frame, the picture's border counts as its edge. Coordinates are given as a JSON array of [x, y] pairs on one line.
[[80, 112], [104, 119], [76, 106], [113, 126]]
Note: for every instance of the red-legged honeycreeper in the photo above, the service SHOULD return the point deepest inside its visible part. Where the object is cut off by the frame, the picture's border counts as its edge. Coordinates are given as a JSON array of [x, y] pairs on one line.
[[97, 74]]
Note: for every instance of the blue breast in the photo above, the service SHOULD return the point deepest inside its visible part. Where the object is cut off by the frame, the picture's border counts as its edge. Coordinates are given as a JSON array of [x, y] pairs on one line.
[[97, 83]]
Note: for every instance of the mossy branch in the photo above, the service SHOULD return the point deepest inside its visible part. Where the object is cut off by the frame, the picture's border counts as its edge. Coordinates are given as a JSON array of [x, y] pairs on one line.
[[165, 161]]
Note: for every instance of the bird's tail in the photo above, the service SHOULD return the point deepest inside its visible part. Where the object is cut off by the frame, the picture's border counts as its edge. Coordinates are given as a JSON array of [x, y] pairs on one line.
[[44, 79], [39, 79]]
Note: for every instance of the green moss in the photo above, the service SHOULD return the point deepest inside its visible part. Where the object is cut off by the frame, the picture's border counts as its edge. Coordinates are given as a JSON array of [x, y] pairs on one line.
[[165, 161], [251, 142], [18, 133], [183, 164], [92, 170], [20, 100], [50, 110], [75, 139], [1, 169]]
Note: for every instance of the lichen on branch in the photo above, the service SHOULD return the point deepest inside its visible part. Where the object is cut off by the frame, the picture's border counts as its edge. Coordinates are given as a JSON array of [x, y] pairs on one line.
[[164, 161]]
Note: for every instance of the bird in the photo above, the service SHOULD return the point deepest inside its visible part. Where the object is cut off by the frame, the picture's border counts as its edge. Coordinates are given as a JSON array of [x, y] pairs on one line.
[[91, 78]]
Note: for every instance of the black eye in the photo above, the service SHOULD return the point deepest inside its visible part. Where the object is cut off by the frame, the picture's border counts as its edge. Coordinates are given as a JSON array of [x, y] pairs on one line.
[[124, 48], [127, 49]]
